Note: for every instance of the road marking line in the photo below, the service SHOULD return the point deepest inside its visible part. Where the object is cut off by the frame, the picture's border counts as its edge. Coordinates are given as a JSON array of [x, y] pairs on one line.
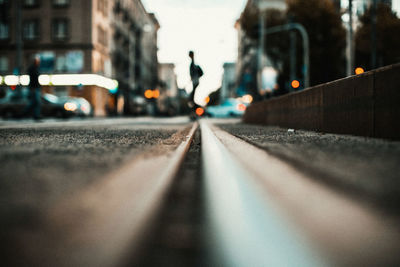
[[104, 224]]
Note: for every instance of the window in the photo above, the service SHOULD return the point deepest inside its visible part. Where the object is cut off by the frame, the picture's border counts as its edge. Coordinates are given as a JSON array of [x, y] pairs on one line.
[[4, 31], [3, 63], [102, 36], [60, 29], [105, 8], [102, 6], [61, 63], [31, 29], [60, 3], [4, 11], [31, 3]]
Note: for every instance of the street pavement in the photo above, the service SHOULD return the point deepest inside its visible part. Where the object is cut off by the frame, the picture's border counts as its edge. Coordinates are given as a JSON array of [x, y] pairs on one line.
[[42, 164]]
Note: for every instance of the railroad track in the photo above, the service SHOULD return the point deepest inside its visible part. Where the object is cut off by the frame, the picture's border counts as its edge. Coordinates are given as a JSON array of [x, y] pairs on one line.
[[214, 200]]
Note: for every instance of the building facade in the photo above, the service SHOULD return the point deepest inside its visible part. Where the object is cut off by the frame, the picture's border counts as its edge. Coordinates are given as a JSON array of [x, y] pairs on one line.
[[67, 39], [228, 85], [168, 103], [168, 79], [102, 37], [65, 28], [134, 52]]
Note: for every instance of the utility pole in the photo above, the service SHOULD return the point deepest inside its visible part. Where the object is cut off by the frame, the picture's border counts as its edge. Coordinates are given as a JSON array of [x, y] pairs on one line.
[[261, 49], [373, 33], [293, 59], [18, 36], [350, 43]]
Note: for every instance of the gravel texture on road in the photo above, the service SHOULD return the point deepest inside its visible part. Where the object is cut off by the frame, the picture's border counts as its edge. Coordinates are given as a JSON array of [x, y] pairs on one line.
[[47, 162], [367, 167], [39, 166]]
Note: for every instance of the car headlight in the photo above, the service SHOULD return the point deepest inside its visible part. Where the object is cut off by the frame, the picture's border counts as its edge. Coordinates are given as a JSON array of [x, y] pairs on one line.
[[241, 107], [70, 106]]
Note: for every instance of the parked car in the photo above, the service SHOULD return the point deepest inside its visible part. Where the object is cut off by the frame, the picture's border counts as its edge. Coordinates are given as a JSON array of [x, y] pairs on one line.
[[15, 102], [230, 107], [84, 109], [139, 105]]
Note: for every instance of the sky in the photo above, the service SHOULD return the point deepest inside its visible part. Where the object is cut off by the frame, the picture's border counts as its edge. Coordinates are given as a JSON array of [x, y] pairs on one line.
[[204, 26], [396, 6]]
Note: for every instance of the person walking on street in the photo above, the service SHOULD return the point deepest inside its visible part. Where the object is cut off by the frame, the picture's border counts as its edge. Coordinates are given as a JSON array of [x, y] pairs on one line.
[[34, 90], [195, 73]]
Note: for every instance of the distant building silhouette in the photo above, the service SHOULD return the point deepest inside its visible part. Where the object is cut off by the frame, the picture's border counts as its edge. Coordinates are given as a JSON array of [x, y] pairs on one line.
[[228, 81]]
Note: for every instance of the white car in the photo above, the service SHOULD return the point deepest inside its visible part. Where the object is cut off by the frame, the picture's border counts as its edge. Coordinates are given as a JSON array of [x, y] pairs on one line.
[[230, 107], [83, 107]]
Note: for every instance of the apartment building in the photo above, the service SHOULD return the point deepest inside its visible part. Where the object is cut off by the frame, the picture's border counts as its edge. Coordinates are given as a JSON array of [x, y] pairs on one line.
[[168, 102], [228, 81], [168, 79], [84, 37], [134, 54]]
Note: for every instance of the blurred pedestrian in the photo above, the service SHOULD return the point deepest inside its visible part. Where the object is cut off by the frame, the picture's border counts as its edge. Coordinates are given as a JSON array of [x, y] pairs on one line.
[[35, 94], [195, 73]]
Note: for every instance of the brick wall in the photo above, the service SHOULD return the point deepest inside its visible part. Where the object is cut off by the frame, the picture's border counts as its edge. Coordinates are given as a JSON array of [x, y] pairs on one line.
[[364, 105]]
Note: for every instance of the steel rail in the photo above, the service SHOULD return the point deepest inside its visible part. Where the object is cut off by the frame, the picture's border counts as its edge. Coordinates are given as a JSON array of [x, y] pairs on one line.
[[245, 230], [104, 225], [245, 183]]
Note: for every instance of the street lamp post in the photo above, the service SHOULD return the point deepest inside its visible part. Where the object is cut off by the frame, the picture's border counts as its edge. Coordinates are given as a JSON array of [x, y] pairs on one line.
[[306, 46], [293, 57], [373, 33], [350, 42], [18, 37], [261, 45]]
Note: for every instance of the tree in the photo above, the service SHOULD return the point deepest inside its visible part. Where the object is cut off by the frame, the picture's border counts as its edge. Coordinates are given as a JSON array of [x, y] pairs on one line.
[[326, 32], [387, 38], [327, 38]]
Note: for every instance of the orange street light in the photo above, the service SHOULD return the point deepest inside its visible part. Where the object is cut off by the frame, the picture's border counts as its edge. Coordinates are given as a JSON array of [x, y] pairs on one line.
[[156, 93], [199, 111], [295, 84], [207, 99], [359, 70], [148, 94]]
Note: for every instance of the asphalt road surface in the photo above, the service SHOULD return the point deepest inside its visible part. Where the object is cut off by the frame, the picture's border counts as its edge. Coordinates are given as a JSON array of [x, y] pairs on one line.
[[42, 164]]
